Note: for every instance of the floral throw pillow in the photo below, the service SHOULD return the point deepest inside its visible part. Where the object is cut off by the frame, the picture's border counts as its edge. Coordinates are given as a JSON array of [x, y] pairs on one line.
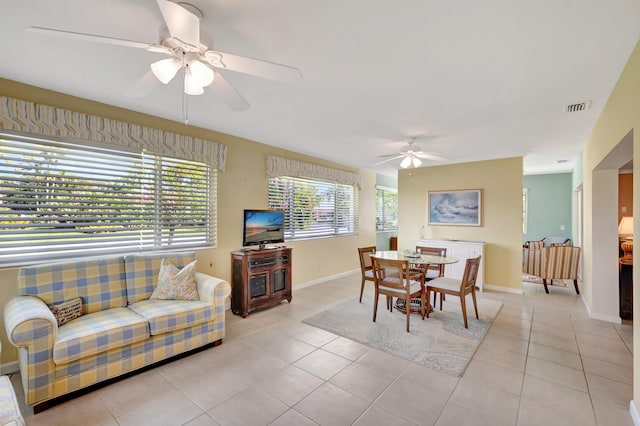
[[175, 283]]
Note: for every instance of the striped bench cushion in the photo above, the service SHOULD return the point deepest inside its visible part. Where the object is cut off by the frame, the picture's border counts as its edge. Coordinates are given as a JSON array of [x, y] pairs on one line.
[[170, 315], [98, 332]]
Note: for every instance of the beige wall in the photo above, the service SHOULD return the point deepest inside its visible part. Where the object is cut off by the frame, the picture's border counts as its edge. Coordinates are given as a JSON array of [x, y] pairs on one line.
[[625, 195], [242, 185], [501, 230], [619, 121]]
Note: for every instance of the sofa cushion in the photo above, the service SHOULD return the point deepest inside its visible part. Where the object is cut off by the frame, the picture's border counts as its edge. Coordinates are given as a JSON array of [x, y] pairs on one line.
[[142, 272], [98, 332], [171, 315], [99, 282]]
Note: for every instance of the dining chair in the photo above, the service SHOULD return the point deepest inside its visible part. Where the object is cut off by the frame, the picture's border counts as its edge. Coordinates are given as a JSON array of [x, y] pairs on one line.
[[393, 278], [459, 288], [366, 266], [433, 271]]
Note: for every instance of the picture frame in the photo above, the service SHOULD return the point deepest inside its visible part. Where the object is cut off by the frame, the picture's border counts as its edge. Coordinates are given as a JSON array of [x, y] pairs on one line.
[[455, 208]]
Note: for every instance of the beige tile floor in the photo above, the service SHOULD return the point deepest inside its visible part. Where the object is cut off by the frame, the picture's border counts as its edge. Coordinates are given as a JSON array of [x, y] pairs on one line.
[[543, 362]]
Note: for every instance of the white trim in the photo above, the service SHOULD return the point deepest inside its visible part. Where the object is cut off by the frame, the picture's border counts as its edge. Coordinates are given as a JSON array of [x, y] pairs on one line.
[[634, 413], [386, 188], [609, 318], [503, 289], [9, 368], [324, 279]]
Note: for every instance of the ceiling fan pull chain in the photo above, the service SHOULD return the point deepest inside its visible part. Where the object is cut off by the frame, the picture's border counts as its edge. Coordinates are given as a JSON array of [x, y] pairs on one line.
[[185, 108], [185, 100]]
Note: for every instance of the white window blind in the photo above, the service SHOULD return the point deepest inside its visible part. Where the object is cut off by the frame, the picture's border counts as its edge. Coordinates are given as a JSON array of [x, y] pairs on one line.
[[314, 208], [60, 199], [386, 209]]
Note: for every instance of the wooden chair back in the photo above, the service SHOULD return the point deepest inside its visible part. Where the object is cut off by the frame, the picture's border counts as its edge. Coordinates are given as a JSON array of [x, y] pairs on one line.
[[468, 282], [366, 266], [392, 274], [393, 278], [436, 270], [365, 259]]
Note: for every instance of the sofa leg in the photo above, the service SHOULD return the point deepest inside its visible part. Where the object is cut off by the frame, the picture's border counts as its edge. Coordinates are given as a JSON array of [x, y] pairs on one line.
[[544, 281], [38, 408], [575, 284]]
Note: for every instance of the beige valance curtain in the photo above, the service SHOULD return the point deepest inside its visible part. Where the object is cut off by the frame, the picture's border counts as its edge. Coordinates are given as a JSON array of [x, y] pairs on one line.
[[278, 166], [23, 116]]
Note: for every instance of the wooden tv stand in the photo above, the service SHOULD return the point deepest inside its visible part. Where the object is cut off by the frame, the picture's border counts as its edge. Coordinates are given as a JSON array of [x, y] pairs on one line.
[[259, 279]]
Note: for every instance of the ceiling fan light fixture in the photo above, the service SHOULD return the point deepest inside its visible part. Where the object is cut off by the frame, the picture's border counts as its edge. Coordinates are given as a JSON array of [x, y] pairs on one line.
[[165, 69], [191, 85], [201, 73], [406, 162], [416, 162]]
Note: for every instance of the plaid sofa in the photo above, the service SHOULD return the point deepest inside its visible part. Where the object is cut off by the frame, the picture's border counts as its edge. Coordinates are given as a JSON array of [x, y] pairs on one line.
[[121, 329]]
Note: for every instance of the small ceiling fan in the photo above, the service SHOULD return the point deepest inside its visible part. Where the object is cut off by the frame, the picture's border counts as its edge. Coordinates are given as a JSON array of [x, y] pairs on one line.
[[411, 156], [201, 65]]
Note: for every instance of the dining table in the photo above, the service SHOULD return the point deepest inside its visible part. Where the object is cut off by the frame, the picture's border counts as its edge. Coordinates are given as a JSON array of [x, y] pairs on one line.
[[416, 259]]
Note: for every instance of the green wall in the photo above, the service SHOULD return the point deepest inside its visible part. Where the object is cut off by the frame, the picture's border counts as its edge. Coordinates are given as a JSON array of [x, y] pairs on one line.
[[550, 198]]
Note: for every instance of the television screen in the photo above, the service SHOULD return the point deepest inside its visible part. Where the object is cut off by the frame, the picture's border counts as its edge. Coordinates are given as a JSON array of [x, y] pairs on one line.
[[263, 227]]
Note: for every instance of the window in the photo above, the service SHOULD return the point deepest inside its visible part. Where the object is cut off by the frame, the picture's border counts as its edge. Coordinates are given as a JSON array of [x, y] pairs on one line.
[[386, 209], [314, 208], [60, 199], [525, 207]]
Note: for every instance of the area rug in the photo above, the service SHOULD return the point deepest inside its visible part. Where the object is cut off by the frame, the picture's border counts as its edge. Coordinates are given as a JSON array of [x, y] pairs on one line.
[[440, 342], [537, 280]]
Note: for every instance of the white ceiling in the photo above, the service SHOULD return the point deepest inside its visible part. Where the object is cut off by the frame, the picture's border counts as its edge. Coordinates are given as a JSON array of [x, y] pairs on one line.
[[473, 80]]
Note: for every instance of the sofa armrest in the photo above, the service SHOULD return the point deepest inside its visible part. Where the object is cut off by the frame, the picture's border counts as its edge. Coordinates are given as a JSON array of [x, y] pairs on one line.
[[27, 318], [33, 329], [212, 289], [533, 262]]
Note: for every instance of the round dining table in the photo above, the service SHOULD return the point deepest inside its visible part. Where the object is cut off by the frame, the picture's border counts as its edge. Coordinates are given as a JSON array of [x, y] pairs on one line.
[[417, 259]]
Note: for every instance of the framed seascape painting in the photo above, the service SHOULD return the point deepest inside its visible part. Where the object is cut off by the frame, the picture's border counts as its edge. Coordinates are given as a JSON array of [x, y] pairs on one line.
[[460, 208]]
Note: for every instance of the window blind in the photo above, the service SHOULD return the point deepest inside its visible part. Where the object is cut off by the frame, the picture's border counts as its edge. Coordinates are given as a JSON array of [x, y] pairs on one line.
[[60, 199], [386, 209], [314, 208]]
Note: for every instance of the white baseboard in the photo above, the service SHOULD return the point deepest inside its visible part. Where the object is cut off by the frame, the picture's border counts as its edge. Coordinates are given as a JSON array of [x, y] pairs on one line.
[[634, 413], [502, 289], [602, 317], [324, 279], [9, 368]]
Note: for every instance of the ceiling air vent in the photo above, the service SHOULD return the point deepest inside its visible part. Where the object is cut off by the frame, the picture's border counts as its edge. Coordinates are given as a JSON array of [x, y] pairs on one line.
[[582, 106]]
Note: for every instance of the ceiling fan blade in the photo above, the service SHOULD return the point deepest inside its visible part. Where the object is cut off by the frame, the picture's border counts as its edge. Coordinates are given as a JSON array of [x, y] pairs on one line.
[[228, 93], [387, 160], [96, 38], [145, 85], [427, 156], [257, 67], [182, 24]]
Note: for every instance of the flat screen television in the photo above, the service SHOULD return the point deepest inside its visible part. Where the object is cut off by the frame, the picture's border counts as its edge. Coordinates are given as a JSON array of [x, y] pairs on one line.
[[262, 227]]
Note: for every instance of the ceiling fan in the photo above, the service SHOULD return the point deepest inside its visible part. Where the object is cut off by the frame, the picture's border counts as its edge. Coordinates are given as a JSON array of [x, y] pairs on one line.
[[411, 156], [181, 42]]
